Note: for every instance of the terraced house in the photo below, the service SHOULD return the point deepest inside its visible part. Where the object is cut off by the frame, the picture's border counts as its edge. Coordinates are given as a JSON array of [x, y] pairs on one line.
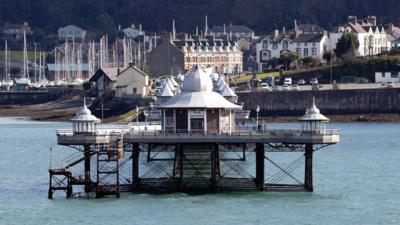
[[307, 40]]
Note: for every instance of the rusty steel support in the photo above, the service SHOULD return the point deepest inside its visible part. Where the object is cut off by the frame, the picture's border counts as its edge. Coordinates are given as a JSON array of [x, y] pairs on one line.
[[87, 156], [215, 176], [135, 167], [308, 173], [260, 153]]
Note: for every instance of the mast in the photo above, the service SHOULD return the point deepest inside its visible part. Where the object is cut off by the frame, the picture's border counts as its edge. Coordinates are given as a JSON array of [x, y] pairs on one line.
[[5, 61], [35, 61], [24, 68]]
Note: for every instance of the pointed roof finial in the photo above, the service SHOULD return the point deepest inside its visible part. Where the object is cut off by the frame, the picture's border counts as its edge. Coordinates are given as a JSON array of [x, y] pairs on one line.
[[206, 26]]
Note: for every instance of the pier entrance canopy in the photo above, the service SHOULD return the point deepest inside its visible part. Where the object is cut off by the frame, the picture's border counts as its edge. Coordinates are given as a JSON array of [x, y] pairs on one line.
[[198, 108]]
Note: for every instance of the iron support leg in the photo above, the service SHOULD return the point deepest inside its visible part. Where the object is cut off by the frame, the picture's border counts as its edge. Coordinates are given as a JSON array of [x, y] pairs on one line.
[[308, 173], [214, 166], [87, 156], [260, 166], [180, 148], [135, 167]]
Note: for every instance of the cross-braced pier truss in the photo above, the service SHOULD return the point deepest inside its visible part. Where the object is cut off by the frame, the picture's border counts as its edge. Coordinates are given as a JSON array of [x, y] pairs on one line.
[[109, 164]]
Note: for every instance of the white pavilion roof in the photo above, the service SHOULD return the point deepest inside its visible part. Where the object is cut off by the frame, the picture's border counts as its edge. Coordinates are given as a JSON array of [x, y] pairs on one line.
[[173, 82], [85, 115], [228, 92], [197, 93], [166, 92], [313, 114]]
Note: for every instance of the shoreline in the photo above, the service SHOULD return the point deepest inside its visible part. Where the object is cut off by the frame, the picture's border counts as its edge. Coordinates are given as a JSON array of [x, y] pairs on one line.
[[63, 111]]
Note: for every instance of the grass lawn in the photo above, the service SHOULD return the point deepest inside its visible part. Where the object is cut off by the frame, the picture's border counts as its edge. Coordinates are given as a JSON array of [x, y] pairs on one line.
[[19, 56], [244, 78]]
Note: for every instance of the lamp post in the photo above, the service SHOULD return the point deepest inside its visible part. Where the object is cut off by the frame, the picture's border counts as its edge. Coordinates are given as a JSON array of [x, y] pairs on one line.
[[257, 110]]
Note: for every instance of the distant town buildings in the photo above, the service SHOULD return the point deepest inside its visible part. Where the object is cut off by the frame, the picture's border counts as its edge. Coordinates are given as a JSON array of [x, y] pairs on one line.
[[373, 38], [16, 31], [71, 32], [235, 32], [307, 40]]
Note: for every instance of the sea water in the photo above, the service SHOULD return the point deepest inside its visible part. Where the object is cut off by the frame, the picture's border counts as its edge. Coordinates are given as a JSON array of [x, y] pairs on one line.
[[355, 182]]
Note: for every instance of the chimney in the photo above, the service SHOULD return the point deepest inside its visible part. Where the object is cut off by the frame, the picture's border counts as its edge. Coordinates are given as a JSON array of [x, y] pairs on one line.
[[390, 28], [206, 26], [133, 25], [352, 19], [372, 20], [140, 28], [224, 29], [284, 30], [173, 30], [276, 33]]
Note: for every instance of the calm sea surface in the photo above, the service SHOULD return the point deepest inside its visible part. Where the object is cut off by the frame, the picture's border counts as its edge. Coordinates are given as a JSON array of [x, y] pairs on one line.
[[356, 182]]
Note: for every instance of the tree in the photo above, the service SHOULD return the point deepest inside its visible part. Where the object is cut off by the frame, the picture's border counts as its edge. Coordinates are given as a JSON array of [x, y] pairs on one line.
[[346, 45], [288, 58], [328, 56]]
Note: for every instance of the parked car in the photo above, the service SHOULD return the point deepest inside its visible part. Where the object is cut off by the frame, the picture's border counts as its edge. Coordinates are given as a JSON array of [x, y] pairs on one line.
[[295, 87], [287, 81], [286, 87], [314, 81], [315, 87], [301, 82], [265, 86]]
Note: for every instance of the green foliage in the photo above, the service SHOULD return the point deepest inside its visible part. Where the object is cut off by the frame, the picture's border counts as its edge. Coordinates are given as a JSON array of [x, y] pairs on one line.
[[287, 58], [348, 43]]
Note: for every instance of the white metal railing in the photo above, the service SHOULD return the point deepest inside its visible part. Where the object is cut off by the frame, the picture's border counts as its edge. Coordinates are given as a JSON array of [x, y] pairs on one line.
[[242, 132]]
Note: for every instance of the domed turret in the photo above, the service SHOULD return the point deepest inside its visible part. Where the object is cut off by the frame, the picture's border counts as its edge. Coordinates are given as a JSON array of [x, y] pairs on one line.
[[84, 121], [313, 120], [197, 81]]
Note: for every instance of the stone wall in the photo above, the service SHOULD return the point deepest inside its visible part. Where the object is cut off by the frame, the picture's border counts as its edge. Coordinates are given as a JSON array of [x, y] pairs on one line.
[[330, 102]]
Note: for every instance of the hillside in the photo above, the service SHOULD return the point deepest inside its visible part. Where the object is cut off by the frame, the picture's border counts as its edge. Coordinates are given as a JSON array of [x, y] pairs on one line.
[[156, 15]]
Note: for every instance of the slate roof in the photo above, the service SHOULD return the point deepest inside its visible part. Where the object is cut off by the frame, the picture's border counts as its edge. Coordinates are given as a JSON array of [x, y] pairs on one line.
[[232, 28], [310, 38]]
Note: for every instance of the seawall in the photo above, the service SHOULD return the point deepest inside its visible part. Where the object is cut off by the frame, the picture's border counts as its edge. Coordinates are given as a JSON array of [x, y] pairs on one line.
[[35, 97], [330, 102]]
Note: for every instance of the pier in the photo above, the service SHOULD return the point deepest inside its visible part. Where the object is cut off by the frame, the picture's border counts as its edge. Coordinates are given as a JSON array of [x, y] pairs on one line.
[[196, 148]]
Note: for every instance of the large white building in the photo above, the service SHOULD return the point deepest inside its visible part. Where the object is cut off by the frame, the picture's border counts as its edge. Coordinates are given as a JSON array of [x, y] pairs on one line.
[[373, 39], [71, 32], [311, 41]]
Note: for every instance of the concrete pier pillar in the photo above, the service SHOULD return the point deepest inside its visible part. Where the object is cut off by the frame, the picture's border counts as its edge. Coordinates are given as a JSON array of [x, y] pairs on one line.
[[260, 153], [308, 173], [181, 155]]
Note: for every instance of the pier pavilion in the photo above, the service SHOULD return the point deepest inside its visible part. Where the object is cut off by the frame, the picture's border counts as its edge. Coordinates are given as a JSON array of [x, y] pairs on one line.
[[197, 148]]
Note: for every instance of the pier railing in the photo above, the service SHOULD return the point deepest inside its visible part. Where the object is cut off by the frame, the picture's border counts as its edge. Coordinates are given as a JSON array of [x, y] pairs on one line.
[[241, 132]]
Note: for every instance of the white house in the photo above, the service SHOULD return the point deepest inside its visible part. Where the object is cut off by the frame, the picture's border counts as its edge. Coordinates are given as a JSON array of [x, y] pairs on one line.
[[384, 77], [307, 44], [132, 82], [373, 39], [72, 32], [133, 32]]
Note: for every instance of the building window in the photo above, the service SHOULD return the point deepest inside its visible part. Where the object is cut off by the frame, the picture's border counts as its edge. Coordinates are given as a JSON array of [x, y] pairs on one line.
[[298, 44], [298, 51], [134, 91], [313, 44], [314, 51], [305, 52], [265, 44], [275, 46], [305, 44], [285, 44]]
